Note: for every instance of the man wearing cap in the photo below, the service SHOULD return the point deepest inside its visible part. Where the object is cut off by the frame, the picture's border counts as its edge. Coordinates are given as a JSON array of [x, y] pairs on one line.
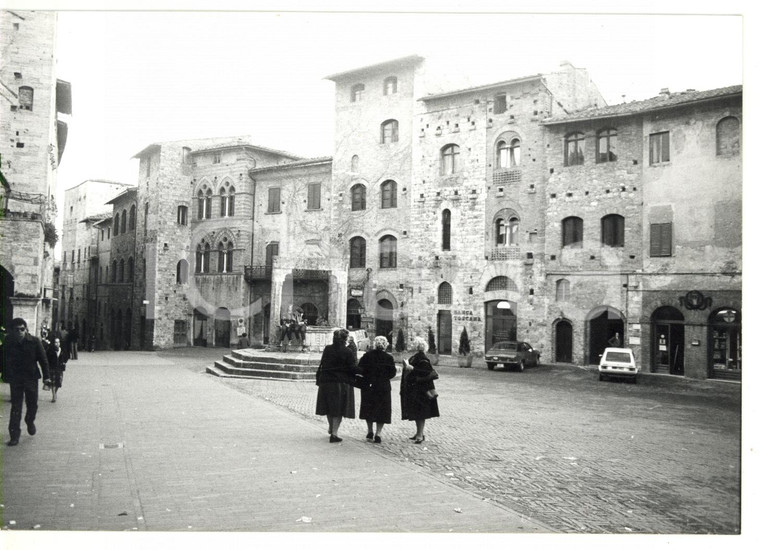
[[23, 352]]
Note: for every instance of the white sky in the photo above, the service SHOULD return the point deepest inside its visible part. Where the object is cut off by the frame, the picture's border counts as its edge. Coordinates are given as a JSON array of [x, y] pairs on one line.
[[142, 77]]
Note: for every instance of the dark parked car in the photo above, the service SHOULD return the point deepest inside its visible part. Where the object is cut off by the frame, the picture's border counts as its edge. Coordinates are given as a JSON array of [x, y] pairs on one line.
[[512, 354]]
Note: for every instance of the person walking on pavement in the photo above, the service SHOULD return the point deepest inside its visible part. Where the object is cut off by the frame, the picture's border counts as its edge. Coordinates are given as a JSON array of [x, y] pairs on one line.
[[63, 334], [74, 342], [337, 370], [57, 359], [417, 402], [378, 368], [23, 352]]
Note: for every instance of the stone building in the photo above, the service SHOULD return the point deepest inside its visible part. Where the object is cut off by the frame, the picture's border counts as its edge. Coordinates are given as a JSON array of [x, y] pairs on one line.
[[643, 226], [32, 140], [527, 209], [84, 206]]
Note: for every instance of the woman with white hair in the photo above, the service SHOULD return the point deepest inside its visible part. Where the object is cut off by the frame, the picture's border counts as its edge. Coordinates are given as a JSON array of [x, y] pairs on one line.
[[378, 368], [419, 400]]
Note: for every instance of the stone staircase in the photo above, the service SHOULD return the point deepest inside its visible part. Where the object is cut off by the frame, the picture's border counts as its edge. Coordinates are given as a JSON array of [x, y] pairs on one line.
[[267, 365]]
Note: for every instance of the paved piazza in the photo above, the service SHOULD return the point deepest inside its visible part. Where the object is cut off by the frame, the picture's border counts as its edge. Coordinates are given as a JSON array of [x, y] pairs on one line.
[[579, 455]]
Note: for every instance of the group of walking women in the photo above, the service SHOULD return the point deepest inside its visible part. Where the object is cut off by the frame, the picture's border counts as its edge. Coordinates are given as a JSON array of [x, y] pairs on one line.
[[339, 373]]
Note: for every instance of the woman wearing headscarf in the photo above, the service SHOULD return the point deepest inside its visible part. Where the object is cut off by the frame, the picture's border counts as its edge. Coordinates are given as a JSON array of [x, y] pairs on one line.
[[337, 370], [416, 381], [378, 368]]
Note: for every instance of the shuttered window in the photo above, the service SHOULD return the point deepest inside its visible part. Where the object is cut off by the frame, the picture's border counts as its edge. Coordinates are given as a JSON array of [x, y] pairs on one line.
[[661, 239]]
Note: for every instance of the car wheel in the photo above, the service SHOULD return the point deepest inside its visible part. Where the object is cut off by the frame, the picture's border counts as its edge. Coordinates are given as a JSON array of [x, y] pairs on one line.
[[491, 366], [601, 377], [521, 366]]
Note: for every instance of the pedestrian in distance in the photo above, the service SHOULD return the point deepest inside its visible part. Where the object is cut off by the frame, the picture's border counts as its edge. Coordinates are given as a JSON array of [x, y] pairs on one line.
[[243, 342], [24, 356], [419, 399], [63, 334], [615, 341], [377, 368], [352, 346], [335, 375], [57, 359], [74, 342]]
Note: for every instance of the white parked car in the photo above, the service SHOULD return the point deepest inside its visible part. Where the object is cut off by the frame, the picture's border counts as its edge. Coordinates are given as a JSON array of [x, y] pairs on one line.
[[618, 362]]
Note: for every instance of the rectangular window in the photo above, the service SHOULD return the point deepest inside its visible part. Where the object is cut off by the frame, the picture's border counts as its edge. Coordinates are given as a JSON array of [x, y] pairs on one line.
[[314, 201], [180, 331], [659, 148], [182, 215], [217, 158], [274, 200], [500, 104], [661, 239]]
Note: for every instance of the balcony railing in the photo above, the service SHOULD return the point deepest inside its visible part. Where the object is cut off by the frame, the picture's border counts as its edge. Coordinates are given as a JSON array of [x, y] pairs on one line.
[[504, 253], [257, 273]]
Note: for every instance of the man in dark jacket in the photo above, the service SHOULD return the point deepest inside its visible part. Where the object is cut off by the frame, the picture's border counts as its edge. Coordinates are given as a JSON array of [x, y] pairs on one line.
[[23, 352]]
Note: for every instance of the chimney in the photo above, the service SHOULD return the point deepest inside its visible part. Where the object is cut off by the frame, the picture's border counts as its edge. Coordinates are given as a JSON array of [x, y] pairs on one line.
[[664, 92]]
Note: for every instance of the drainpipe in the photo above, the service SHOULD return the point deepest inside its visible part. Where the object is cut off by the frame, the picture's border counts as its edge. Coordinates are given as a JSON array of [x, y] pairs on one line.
[[253, 227]]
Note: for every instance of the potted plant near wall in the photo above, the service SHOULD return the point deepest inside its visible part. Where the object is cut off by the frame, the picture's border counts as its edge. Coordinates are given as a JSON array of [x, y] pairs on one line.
[[432, 349], [465, 356]]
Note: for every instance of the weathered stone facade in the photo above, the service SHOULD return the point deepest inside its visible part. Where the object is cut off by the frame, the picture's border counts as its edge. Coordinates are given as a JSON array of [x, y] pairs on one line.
[[32, 140]]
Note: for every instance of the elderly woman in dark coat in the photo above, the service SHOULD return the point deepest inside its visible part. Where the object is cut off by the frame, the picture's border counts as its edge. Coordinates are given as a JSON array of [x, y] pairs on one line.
[[337, 370], [378, 368], [416, 380]]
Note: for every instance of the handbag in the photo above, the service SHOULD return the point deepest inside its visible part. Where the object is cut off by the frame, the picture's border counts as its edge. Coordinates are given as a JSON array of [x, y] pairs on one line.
[[360, 382], [432, 394]]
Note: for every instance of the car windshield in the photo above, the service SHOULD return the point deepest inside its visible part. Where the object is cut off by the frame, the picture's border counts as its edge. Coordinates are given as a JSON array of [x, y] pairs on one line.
[[502, 346], [619, 357]]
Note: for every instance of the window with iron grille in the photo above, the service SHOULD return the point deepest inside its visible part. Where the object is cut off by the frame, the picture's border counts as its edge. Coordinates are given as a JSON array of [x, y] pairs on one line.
[[502, 283], [445, 294]]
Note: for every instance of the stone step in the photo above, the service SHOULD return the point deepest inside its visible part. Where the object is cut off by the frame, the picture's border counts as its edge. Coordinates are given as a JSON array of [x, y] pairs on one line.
[[270, 364], [261, 356], [220, 368]]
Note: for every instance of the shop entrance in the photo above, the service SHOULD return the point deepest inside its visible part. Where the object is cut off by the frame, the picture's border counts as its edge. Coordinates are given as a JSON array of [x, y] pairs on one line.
[[222, 328], [726, 344], [501, 322], [668, 336], [353, 314], [199, 328], [603, 324]]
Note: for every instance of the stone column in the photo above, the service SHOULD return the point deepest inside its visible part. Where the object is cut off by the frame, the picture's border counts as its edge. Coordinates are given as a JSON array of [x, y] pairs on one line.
[[337, 298]]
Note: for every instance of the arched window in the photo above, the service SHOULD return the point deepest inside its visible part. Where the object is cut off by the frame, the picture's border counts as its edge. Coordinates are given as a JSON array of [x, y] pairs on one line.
[[116, 225], [574, 149], [228, 259], [390, 85], [563, 290], [121, 271], [224, 264], [357, 93], [114, 271], [613, 230], [506, 230], [221, 262], [182, 272], [387, 252], [358, 252], [358, 197], [728, 136], [26, 98], [132, 217], [572, 232], [501, 283], [272, 251], [449, 159], [227, 206], [130, 269], [508, 153], [202, 257], [446, 229], [124, 221], [444, 294], [388, 192], [355, 163], [606, 145], [182, 215], [204, 203], [389, 131]]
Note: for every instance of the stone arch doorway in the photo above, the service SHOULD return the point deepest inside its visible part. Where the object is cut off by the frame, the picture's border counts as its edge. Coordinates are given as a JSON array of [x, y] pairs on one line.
[[199, 328], [725, 344], [7, 288], [384, 319], [601, 326], [667, 340], [563, 341], [222, 328]]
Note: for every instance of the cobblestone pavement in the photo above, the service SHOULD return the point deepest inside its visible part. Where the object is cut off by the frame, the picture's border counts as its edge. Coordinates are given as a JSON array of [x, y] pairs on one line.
[[579, 455]]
